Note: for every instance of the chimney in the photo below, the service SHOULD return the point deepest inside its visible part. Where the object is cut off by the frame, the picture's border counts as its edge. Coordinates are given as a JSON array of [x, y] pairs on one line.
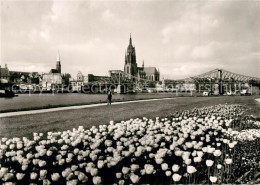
[[6, 66]]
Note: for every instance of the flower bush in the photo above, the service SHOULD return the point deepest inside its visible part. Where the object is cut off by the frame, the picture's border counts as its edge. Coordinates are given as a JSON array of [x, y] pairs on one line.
[[198, 146]]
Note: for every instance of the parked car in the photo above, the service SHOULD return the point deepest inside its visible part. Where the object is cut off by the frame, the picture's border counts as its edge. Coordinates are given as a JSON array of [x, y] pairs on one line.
[[229, 93], [244, 92], [205, 93]]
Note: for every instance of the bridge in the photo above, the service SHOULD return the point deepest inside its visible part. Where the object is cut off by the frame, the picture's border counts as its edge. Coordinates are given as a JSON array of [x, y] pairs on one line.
[[219, 77]]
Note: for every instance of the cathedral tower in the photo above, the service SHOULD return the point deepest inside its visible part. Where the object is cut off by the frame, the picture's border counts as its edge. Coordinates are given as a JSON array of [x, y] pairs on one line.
[[130, 60]]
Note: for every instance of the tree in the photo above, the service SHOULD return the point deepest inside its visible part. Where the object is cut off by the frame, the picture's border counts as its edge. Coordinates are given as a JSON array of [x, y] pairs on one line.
[[66, 78]]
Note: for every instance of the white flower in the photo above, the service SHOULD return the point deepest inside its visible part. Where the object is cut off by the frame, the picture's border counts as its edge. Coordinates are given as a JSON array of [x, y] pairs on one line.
[[200, 153], [72, 182], [191, 169], [42, 152], [11, 146], [76, 151], [175, 168], [158, 160], [164, 166], [82, 177], [94, 171], [29, 156], [96, 180], [228, 161], [176, 177], [24, 167], [68, 160], [134, 178], [149, 169], [100, 164], [43, 174], [187, 161], [61, 162], [209, 163], [66, 172], [231, 145], [213, 179], [20, 176], [125, 170], [197, 159], [217, 153], [74, 167], [3, 171], [168, 173], [41, 163], [33, 175], [55, 177], [219, 166], [178, 153], [134, 167], [210, 150], [8, 176], [121, 182], [205, 149], [80, 157], [19, 145], [49, 153], [118, 175]]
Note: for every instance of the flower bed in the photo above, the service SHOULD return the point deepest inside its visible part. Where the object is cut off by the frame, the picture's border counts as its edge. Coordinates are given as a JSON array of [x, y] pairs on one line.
[[188, 147]]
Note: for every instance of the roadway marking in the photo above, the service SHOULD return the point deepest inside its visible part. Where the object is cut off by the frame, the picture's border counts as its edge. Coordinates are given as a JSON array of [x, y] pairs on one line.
[[19, 113]]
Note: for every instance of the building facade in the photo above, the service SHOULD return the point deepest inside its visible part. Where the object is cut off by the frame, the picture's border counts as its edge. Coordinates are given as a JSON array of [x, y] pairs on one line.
[[53, 78], [76, 84], [4, 73], [19, 77]]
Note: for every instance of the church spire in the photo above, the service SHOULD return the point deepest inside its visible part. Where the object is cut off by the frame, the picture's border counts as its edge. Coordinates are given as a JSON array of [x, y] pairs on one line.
[[58, 65], [130, 40], [143, 63]]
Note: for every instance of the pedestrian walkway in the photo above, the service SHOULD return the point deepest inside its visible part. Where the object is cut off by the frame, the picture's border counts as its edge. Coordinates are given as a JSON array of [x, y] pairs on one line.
[[19, 113]]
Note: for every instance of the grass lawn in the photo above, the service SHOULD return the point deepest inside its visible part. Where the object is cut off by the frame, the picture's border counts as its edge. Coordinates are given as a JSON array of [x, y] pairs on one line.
[[19, 126]]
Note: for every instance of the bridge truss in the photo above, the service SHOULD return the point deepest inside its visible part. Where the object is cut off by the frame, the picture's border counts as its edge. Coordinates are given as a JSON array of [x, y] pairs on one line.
[[220, 75]]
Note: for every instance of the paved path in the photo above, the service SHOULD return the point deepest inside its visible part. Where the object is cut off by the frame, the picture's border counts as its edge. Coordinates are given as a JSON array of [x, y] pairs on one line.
[[19, 113]]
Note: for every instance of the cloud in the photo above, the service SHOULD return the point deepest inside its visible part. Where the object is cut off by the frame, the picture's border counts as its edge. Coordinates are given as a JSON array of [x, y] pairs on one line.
[[107, 15], [182, 38], [28, 67]]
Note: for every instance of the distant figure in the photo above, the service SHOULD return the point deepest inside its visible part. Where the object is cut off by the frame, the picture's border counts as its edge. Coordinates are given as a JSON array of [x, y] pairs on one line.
[[109, 98]]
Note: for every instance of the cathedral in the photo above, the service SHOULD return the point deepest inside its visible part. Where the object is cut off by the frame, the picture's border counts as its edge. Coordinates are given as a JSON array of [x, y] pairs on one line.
[[135, 72]]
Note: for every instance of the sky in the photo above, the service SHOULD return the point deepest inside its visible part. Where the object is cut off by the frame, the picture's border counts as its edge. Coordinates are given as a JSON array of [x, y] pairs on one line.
[[181, 38]]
